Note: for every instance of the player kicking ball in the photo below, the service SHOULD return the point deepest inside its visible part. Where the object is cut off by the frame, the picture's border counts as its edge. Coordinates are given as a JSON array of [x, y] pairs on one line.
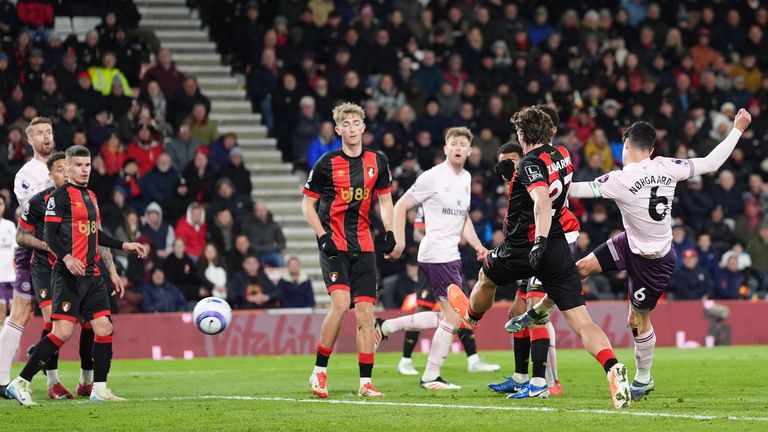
[[444, 194], [644, 190], [73, 233], [535, 245], [342, 185]]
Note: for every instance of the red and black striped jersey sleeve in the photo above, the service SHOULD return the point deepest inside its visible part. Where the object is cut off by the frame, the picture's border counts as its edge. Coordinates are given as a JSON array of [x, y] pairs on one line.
[[318, 177]]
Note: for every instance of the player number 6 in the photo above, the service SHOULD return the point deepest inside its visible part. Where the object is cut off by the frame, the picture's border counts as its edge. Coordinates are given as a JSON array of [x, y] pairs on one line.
[[639, 295]]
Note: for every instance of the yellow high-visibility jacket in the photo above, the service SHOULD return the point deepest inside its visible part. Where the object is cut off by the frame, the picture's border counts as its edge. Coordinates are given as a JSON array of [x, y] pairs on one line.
[[102, 78]]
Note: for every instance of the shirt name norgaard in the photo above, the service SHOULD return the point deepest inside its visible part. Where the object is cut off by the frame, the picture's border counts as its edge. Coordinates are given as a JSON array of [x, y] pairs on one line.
[[650, 180], [454, 212]]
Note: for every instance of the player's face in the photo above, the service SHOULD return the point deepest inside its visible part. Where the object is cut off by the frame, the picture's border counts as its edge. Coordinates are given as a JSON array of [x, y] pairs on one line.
[[457, 150], [79, 170], [59, 173], [40, 137], [351, 129]]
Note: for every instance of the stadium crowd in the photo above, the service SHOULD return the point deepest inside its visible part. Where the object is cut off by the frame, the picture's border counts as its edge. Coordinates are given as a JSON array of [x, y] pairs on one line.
[[166, 177]]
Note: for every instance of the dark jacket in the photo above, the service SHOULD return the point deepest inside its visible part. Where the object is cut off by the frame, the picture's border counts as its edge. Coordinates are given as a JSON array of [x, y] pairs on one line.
[[181, 272], [241, 286], [296, 293], [727, 285], [240, 176], [264, 237], [157, 186], [164, 298], [687, 284]]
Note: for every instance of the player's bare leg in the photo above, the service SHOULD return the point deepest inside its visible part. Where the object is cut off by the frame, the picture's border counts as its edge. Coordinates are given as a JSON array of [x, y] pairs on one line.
[[480, 300], [365, 355], [588, 266], [10, 336], [329, 332], [596, 343], [645, 342], [102, 359]]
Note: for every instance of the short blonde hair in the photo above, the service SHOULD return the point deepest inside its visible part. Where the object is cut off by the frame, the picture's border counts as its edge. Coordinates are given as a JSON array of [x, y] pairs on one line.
[[39, 120], [343, 110], [459, 132]]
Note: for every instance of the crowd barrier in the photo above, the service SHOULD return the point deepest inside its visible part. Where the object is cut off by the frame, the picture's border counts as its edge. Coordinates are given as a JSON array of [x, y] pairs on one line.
[[684, 324]]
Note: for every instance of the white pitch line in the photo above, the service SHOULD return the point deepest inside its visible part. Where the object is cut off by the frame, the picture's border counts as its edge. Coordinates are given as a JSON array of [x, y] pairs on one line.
[[468, 407]]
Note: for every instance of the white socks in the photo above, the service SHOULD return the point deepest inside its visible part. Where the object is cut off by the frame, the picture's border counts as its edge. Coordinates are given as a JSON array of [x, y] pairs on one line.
[[473, 359], [99, 386], [416, 322], [644, 344], [551, 372], [364, 381], [10, 337], [319, 369], [441, 346], [539, 382], [521, 378], [86, 376], [53, 377]]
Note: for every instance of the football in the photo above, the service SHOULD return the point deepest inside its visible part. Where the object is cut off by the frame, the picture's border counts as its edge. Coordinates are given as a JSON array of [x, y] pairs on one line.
[[212, 315]]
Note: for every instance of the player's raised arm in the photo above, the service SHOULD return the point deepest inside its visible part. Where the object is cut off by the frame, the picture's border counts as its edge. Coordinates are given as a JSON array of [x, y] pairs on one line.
[[717, 157], [399, 213], [584, 190]]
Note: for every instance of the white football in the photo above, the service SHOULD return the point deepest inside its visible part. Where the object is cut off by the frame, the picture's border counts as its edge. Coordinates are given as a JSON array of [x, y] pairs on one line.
[[212, 315]]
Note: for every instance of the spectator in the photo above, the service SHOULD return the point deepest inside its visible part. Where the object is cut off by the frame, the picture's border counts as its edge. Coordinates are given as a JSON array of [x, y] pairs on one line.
[[222, 230], [695, 204], [728, 195], [690, 281], [718, 229], [113, 155], [265, 235], [182, 104], [729, 279], [36, 17], [707, 258], [239, 205], [408, 281], [154, 98], [67, 124], [748, 223], [236, 255], [324, 142], [161, 295], [681, 241], [220, 150], [295, 286], [757, 246], [164, 72], [592, 170], [251, 288], [199, 175], [262, 82], [702, 54], [181, 271], [159, 233], [236, 171], [49, 101], [193, 229], [128, 231], [104, 77], [175, 206], [88, 100], [182, 148], [157, 184], [598, 144], [201, 127], [212, 274], [129, 181], [305, 130]]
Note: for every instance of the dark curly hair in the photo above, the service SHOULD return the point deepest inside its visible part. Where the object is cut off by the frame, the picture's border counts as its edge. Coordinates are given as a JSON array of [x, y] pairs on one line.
[[534, 124]]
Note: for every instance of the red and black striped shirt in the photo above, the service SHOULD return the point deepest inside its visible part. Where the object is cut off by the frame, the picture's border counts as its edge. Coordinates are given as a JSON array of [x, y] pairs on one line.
[[346, 187], [546, 166], [72, 215], [33, 219]]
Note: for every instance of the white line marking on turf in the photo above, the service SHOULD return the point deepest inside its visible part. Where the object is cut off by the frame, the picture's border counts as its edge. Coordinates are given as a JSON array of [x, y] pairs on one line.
[[473, 407]]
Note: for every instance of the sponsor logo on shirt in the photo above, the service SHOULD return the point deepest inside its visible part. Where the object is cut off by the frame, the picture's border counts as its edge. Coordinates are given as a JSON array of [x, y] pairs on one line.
[[533, 172]]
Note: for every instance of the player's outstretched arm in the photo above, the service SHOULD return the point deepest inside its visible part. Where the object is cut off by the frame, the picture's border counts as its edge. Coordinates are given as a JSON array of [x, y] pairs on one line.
[[584, 190], [112, 243], [717, 157], [399, 213]]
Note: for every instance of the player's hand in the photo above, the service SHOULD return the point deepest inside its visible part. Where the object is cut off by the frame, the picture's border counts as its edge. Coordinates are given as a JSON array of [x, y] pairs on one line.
[[505, 169], [136, 248], [537, 252], [396, 253], [742, 120], [117, 283], [74, 265], [481, 253], [389, 242], [326, 244]]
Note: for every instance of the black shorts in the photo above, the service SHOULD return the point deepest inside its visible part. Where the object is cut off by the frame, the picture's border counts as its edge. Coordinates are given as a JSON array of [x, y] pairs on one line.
[[78, 299], [354, 272], [41, 283], [557, 271]]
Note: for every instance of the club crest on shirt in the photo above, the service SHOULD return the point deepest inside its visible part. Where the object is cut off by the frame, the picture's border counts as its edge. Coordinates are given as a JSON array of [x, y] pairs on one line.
[[371, 171], [66, 306], [51, 204], [602, 179], [309, 179], [43, 293], [533, 172], [333, 276], [25, 184]]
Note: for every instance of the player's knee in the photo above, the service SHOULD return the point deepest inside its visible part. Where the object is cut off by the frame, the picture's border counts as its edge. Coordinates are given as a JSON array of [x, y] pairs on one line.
[[63, 331], [21, 313], [483, 282], [102, 327]]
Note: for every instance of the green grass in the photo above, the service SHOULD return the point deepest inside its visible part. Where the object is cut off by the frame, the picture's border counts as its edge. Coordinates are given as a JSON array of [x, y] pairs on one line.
[[725, 385]]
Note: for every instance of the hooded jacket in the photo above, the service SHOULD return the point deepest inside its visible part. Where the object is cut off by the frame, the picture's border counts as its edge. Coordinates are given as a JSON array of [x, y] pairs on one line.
[[193, 234], [162, 234]]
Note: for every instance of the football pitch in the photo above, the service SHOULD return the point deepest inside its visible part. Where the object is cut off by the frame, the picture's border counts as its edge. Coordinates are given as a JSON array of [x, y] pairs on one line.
[[722, 389]]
